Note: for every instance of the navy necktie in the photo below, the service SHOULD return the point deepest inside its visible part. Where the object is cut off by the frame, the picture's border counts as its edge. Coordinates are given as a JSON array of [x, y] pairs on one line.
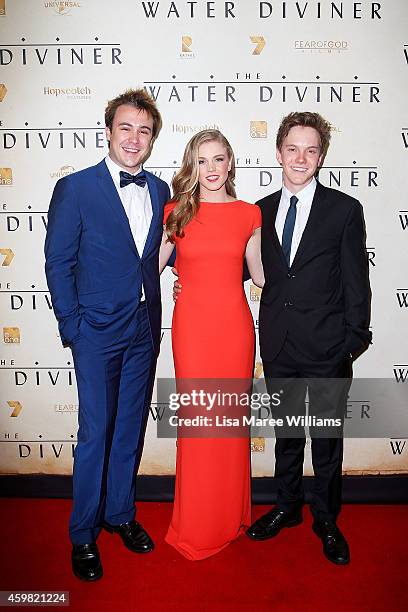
[[288, 228], [138, 179]]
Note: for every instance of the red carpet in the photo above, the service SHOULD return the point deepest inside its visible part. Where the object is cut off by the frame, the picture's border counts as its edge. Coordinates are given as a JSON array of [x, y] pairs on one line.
[[287, 573]]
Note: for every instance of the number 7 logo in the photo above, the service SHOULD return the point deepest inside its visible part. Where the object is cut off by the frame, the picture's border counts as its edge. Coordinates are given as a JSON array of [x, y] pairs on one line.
[[260, 43]]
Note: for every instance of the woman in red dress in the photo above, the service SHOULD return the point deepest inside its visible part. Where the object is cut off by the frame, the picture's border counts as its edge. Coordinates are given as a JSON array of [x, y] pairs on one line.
[[212, 337]]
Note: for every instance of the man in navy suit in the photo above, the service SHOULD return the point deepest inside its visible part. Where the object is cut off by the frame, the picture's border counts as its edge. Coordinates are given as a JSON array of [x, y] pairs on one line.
[[105, 226], [313, 320]]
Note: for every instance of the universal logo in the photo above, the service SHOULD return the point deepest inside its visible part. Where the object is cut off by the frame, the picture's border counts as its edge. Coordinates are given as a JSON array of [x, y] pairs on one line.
[[255, 293], [62, 7], [321, 46], [3, 91], [258, 129], [257, 445], [11, 335], [186, 43], [6, 176], [259, 43], [63, 171], [72, 93], [2, 7]]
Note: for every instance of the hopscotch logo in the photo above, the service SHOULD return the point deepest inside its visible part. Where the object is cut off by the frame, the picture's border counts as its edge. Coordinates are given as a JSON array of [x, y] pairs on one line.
[[402, 297], [259, 43], [403, 217], [186, 44], [3, 91], [11, 335], [400, 372], [72, 93], [258, 129]]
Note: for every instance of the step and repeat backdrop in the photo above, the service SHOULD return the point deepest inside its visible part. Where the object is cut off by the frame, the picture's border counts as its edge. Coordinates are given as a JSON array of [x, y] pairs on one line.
[[236, 66]]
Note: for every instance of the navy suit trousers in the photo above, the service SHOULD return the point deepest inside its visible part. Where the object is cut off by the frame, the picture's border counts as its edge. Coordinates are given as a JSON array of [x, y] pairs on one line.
[[114, 388]]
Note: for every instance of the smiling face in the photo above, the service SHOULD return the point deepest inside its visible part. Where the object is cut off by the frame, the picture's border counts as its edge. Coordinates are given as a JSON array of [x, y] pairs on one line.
[[213, 167], [300, 156], [130, 137]]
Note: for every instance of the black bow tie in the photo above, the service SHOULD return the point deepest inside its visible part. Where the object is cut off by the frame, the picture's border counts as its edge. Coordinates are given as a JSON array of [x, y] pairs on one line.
[[137, 179]]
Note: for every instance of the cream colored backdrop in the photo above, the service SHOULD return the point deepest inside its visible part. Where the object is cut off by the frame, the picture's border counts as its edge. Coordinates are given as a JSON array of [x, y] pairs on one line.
[[238, 66]]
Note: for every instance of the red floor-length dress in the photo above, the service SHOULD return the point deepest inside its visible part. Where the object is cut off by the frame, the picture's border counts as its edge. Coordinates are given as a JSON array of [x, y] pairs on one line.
[[213, 337]]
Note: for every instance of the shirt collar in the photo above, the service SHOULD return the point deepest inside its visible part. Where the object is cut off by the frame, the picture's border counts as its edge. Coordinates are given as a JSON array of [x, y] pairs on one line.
[[304, 195], [115, 169]]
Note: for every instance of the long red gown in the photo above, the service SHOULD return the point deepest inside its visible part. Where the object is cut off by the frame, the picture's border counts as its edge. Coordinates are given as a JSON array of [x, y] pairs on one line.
[[212, 337]]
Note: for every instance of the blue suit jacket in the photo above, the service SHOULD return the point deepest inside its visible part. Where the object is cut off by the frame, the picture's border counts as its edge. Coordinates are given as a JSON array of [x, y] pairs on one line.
[[93, 269]]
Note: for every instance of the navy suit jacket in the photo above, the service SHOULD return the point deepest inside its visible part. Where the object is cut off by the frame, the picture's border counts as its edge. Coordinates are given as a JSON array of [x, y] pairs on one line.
[[94, 271]]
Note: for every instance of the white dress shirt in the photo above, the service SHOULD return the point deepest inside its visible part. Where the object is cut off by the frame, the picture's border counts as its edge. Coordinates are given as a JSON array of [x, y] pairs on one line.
[[303, 206], [137, 204]]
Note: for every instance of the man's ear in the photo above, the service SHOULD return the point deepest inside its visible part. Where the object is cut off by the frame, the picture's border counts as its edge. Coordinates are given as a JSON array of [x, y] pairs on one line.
[[278, 156]]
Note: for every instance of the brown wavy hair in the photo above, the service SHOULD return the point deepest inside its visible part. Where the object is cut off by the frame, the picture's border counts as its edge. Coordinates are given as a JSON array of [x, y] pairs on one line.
[[138, 98], [305, 119], [185, 183]]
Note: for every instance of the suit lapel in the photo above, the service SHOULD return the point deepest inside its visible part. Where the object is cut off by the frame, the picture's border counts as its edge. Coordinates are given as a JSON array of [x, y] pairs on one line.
[[154, 199], [313, 223], [112, 197]]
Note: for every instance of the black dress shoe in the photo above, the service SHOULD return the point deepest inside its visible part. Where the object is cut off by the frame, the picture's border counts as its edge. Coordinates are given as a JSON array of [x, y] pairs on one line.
[[270, 524], [335, 546], [86, 563], [134, 537]]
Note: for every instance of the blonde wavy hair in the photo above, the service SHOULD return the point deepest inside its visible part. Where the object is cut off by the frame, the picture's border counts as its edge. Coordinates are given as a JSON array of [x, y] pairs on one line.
[[185, 183]]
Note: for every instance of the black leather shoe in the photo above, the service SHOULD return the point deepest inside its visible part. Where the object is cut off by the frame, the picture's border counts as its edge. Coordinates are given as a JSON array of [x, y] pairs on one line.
[[86, 563], [270, 524], [134, 537], [335, 546]]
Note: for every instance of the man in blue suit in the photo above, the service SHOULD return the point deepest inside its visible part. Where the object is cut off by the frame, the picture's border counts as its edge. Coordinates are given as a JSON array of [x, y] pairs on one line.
[[104, 231]]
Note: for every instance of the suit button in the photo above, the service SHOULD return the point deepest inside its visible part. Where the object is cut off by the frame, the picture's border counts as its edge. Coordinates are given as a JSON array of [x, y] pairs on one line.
[[288, 304]]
